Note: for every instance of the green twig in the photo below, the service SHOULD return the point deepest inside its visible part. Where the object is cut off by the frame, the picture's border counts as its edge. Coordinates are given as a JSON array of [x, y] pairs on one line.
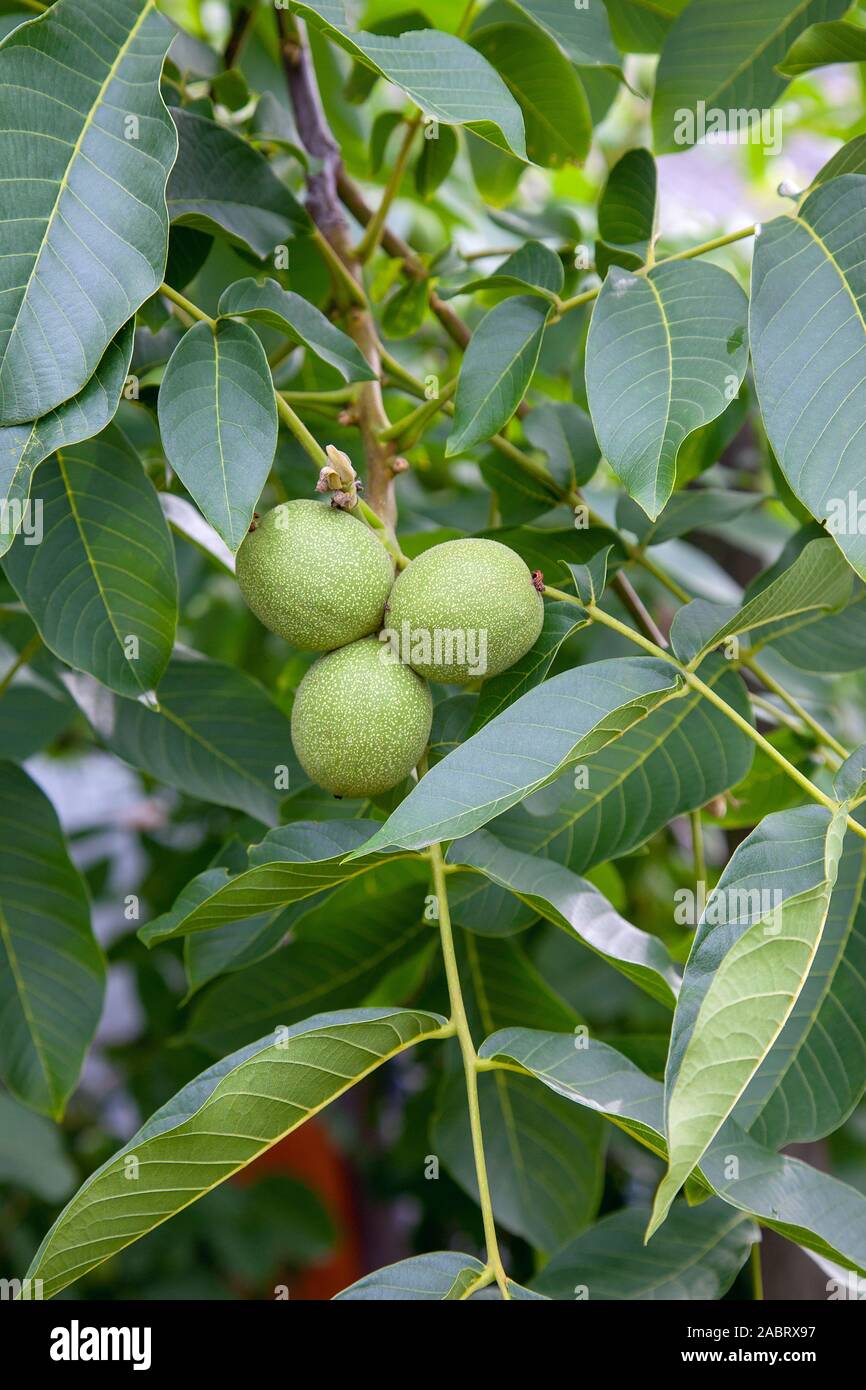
[[700, 250], [757, 1273], [822, 735], [339, 270], [187, 305], [373, 232], [27, 652], [637, 555], [375, 522], [698, 856], [487, 1276], [297, 427], [466, 19], [694, 681], [409, 428], [470, 1067]]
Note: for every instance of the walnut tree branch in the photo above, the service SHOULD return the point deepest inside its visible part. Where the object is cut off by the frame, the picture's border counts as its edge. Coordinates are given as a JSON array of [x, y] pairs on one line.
[[398, 249], [240, 29], [325, 208]]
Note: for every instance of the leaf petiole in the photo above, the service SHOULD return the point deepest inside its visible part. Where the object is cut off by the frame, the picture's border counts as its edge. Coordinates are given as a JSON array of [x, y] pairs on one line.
[[471, 1067], [691, 678]]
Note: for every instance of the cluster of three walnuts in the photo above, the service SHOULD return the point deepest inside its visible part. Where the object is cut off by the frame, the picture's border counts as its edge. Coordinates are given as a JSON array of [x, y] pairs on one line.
[[320, 578]]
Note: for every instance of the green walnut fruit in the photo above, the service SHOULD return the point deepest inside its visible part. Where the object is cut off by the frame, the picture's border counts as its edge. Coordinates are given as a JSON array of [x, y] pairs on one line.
[[361, 720], [464, 610], [314, 575]]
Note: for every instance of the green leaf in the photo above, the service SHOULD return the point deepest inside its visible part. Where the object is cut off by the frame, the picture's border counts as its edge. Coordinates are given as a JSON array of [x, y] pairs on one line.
[[582, 33], [441, 1275], [819, 578], [544, 1157], [215, 734], [627, 207], [486, 909], [815, 1074], [785, 1194], [53, 973], [640, 26], [218, 420], [666, 354], [699, 508], [520, 497], [591, 1074], [192, 56], [837, 41], [564, 432], [222, 185], [101, 587], [300, 321], [697, 1256], [215, 1126], [561, 621], [32, 1156], [291, 863], [240, 943], [433, 164], [849, 783], [546, 87], [754, 947], [532, 267], [766, 787], [808, 333], [590, 580], [23, 447], [230, 89], [338, 953], [406, 309], [679, 758], [383, 128], [362, 80], [8, 22], [497, 368], [627, 212], [851, 159], [442, 75], [550, 550], [726, 57], [86, 145], [33, 711], [544, 732], [575, 906], [187, 521], [821, 641], [703, 449], [274, 124], [496, 174]]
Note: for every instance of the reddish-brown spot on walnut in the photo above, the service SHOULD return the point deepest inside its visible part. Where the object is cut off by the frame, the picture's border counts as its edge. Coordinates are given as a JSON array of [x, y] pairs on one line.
[[538, 581]]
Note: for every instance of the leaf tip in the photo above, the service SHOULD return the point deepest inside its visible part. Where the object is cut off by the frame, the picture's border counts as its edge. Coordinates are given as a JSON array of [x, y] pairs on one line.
[[667, 1190]]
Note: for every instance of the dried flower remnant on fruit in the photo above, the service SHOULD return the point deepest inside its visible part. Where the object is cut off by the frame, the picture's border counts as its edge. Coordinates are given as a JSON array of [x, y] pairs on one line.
[[339, 479]]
